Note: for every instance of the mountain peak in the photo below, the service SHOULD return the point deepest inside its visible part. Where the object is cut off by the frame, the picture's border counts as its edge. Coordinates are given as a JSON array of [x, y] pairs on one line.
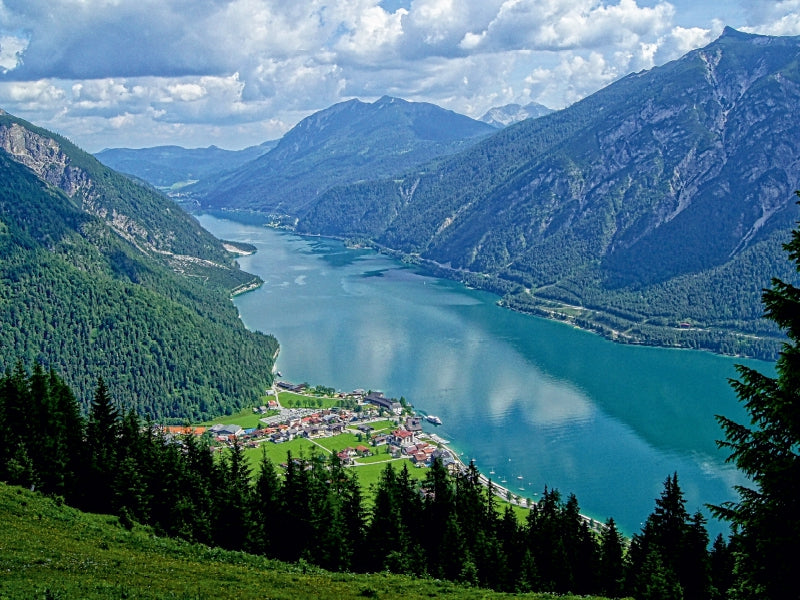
[[731, 33], [384, 100]]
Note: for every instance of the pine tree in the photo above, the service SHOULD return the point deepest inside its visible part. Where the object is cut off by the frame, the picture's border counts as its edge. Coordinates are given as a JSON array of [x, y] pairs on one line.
[[265, 509], [678, 541], [102, 430], [232, 500], [721, 564], [611, 560], [70, 427], [765, 518], [296, 531]]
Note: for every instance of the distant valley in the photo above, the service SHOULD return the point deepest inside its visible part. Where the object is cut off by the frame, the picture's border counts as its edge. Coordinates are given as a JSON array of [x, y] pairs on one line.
[[175, 167]]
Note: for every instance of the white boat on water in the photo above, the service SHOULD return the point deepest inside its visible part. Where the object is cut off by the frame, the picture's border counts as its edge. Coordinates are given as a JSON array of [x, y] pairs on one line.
[[434, 419]]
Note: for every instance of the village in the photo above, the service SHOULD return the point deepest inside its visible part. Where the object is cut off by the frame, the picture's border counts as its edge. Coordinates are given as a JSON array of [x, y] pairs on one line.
[[385, 429], [281, 424]]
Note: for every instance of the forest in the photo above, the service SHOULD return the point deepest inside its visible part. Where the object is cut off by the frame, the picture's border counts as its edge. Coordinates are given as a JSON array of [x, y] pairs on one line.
[[77, 296], [311, 508]]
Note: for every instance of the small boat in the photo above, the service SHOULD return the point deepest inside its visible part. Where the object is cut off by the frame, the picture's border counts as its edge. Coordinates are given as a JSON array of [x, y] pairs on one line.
[[433, 419], [520, 477], [491, 472]]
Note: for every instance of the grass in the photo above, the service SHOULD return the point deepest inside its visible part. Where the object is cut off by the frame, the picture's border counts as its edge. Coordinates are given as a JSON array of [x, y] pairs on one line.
[[49, 550], [293, 400], [246, 418]]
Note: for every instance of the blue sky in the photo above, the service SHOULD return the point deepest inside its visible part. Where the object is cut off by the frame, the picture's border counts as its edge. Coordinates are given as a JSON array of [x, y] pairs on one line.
[[135, 73]]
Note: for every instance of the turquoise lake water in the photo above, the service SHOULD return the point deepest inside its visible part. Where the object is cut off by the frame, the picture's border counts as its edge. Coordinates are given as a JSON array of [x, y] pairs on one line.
[[537, 402]]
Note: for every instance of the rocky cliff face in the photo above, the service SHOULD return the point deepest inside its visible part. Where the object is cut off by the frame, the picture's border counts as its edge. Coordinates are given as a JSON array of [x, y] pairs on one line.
[[503, 116], [690, 163], [44, 156], [144, 218]]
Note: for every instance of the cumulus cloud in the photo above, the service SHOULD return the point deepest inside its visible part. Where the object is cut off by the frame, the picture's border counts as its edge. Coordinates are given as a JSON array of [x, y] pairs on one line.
[[773, 18], [237, 72]]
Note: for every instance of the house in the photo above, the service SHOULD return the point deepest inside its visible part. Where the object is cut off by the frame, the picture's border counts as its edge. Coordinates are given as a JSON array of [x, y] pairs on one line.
[[402, 437], [291, 387], [381, 401], [420, 458], [178, 430], [335, 428], [380, 440], [363, 451], [447, 459], [414, 423], [221, 430]]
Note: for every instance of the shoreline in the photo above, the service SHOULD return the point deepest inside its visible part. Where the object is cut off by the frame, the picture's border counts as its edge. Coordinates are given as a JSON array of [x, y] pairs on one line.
[[503, 493], [503, 290]]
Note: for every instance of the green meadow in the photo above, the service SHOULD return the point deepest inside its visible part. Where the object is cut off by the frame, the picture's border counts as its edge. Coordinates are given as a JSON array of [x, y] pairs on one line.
[[51, 551]]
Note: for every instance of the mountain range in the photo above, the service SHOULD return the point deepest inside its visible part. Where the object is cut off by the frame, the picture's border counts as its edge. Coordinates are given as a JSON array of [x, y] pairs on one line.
[[653, 211], [103, 277], [503, 116], [173, 166], [350, 141]]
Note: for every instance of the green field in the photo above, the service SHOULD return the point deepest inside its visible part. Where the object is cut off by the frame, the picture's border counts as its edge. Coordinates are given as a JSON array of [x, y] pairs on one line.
[[51, 551], [293, 400], [245, 418]]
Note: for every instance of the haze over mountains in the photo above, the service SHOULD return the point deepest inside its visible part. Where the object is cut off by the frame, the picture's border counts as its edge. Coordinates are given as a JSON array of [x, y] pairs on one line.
[[503, 116], [165, 166]]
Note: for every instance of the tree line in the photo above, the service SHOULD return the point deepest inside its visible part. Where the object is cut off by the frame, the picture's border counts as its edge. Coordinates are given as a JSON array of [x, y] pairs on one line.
[[447, 525]]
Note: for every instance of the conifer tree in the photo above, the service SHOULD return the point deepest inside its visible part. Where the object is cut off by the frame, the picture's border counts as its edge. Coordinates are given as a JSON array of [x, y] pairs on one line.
[[233, 500], [296, 529], [69, 427], [611, 560], [721, 565], [765, 518], [265, 509], [102, 430]]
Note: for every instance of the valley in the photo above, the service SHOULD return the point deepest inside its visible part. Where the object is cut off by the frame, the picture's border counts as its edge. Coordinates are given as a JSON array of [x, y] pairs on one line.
[[656, 212]]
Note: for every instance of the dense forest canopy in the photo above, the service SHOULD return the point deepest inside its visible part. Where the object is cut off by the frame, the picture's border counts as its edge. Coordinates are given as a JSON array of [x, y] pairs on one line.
[[114, 280]]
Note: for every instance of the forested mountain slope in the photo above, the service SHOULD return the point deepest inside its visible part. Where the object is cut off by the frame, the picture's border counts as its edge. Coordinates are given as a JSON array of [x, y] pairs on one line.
[[101, 276], [655, 208], [347, 142]]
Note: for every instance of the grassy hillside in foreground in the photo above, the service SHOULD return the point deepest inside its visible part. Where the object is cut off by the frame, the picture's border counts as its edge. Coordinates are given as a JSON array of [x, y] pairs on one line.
[[49, 550]]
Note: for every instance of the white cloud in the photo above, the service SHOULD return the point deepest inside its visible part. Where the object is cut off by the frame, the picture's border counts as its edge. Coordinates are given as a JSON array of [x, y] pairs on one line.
[[247, 70], [371, 34], [33, 95], [11, 49], [773, 18]]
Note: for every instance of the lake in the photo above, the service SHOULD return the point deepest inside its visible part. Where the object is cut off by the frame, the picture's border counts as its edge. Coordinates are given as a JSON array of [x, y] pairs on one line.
[[538, 402]]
